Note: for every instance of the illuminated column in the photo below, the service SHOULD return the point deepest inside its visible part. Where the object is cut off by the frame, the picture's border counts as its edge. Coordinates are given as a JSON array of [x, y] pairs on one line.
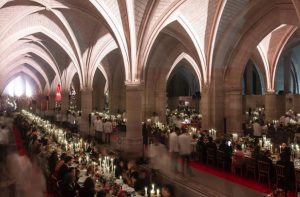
[[134, 103], [233, 110], [161, 99], [86, 108], [270, 106], [204, 108]]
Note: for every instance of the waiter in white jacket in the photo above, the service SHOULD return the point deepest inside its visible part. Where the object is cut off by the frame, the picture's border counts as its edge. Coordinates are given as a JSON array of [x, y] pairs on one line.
[[174, 148]]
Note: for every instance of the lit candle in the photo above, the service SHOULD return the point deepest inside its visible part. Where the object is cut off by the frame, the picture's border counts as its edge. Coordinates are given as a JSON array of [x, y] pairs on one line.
[[280, 149], [146, 191], [157, 192]]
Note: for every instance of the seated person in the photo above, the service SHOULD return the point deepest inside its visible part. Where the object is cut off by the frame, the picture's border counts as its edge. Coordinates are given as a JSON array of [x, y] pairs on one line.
[[224, 147], [88, 189], [288, 171], [68, 186], [237, 158]]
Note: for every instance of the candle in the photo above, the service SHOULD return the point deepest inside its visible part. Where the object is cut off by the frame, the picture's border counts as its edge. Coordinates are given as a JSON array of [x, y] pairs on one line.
[[146, 191], [157, 192], [280, 149]]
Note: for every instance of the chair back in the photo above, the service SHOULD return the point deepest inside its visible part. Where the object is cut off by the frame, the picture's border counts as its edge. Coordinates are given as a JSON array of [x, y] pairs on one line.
[[250, 163], [220, 155], [280, 171], [263, 167], [297, 175], [238, 159], [211, 152]]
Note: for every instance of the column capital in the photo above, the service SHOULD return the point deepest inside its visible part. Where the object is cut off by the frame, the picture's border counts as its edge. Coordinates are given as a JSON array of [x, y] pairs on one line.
[[270, 92], [233, 90], [134, 85], [86, 90]]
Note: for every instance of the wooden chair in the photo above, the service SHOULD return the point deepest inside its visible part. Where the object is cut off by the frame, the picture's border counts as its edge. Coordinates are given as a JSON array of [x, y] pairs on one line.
[[237, 164], [280, 175], [250, 164], [221, 159], [297, 179], [211, 156], [264, 172]]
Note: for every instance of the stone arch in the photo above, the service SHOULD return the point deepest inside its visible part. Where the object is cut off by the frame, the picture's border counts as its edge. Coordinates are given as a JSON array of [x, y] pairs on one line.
[[266, 24], [10, 76], [258, 74], [119, 35], [180, 20], [49, 34]]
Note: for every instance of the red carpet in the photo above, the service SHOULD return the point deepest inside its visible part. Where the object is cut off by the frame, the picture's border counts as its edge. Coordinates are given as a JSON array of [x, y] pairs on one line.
[[19, 142], [233, 178]]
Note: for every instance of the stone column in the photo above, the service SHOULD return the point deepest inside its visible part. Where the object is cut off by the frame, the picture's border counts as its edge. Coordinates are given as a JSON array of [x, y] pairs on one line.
[[113, 97], [134, 103], [249, 81], [270, 106], [86, 108], [160, 104], [205, 108], [233, 110], [51, 101], [65, 102]]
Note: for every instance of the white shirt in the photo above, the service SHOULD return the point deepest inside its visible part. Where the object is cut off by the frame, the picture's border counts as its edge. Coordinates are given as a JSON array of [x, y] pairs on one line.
[[286, 121], [4, 136], [257, 129], [98, 125], [184, 141], [173, 142], [107, 127]]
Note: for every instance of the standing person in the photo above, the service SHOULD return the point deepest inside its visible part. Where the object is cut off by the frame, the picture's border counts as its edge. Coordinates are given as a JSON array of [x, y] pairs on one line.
[[184, 141], [257, 129], [145, 136], [107, 130], [98, 124], [173, 148]]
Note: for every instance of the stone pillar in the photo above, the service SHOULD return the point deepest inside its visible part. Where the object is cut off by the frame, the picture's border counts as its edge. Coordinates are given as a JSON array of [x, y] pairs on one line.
[[86, 108], [217, 99], [205, 108], [287, 75], [113, 97], [51, 101], [289, 102], [249, 77], [134, 103], [160, 103], [270, 106], [233, 110], [65, 102]]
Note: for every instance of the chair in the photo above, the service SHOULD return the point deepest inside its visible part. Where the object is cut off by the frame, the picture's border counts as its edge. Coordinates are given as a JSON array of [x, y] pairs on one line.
[[264, 172], [280, 175], [237, 164], [297, 179], [221, 159], [250, 167], [211, 156], [59, 187]]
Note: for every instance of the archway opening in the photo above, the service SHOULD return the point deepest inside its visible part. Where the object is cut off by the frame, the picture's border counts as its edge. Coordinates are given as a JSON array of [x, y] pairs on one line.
[[183, 88], [252, 81]]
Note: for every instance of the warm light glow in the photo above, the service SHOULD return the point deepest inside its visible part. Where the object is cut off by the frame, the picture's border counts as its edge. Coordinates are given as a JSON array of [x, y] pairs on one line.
[[19, 87]]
